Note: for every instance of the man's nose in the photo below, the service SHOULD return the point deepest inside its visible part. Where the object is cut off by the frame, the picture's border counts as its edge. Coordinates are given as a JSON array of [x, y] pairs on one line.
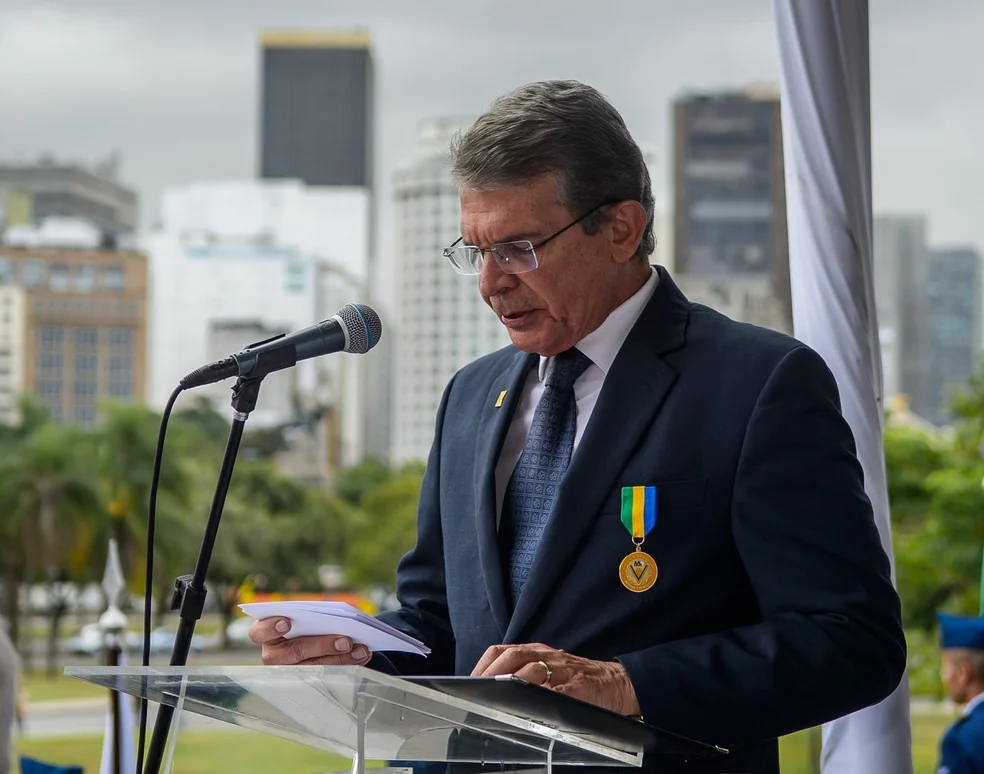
[[491, 278]]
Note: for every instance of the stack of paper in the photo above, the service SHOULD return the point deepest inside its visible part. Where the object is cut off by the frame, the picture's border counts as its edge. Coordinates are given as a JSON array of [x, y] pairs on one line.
[[317, 618]]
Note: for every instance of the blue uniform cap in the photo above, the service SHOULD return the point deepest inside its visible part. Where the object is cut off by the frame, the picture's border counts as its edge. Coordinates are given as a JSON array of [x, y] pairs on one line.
[[961, 631]]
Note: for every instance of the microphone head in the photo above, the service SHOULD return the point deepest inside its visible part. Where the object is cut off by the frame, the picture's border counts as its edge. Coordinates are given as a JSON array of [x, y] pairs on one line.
[[363, 327]]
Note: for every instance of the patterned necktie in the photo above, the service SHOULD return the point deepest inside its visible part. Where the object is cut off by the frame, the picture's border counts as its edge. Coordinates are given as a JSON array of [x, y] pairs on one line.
[[534, 484]]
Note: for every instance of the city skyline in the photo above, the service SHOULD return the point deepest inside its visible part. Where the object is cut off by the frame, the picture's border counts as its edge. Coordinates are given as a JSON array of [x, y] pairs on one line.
[[177, 90]]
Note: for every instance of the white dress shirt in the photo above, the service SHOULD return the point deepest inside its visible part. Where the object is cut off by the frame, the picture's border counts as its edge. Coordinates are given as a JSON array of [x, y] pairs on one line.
[[601, 346]]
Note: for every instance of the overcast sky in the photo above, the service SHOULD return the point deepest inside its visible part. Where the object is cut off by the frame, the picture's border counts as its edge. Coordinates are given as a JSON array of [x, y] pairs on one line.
[[173, 85]]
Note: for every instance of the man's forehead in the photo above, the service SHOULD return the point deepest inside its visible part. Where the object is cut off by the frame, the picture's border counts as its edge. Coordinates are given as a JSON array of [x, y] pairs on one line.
[[506, 213]]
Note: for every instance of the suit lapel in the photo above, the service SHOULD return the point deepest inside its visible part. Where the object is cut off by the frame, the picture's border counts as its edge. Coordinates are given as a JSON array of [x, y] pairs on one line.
[[492, 428], [632, 395]]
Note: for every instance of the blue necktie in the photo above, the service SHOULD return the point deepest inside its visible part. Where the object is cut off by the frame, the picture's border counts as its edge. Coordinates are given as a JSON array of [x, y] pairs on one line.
[[533, 487]]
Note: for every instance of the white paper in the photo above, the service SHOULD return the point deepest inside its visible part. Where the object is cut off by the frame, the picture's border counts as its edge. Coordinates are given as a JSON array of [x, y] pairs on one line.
[[320, 618]]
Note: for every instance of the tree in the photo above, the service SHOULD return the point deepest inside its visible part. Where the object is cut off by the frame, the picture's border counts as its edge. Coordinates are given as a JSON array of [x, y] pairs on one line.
[[383, 532], [51, 496]]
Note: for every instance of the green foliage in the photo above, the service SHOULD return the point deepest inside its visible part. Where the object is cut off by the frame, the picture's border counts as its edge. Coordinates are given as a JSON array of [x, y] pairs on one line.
[[383, 532], [356, 482], [65, 491]]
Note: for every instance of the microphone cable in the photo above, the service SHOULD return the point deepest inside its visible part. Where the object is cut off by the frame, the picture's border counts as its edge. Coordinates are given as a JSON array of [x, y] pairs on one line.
[[149, 578]]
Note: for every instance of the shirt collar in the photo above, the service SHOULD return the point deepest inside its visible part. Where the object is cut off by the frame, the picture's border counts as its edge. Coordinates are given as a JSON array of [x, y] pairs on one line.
[[972, 704], [603, 343]]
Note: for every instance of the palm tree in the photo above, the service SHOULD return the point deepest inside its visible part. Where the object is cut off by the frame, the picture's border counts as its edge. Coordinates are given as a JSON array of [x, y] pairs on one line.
[[50, 497]]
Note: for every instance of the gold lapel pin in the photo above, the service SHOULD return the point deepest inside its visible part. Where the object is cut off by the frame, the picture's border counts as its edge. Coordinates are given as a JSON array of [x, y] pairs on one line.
[[498, 401]]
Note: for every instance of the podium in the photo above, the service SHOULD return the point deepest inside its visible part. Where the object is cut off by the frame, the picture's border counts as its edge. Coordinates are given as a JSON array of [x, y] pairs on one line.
[[364, 715]]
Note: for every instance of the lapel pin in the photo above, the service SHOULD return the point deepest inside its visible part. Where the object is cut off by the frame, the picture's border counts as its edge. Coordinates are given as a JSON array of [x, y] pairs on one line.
[[498, 401]]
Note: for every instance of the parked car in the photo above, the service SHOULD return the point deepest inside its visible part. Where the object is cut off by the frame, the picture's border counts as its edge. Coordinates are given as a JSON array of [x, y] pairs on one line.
[[89, 641]]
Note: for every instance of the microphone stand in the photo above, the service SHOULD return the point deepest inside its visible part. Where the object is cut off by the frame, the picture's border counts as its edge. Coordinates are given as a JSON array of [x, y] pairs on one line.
[[189, 590]]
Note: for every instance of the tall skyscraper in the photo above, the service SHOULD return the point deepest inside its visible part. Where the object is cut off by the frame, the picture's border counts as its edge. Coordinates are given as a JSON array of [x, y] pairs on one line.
[[954, 290], [901, 265], [730, 197], [443, 322], [317, 108], [32, 193]]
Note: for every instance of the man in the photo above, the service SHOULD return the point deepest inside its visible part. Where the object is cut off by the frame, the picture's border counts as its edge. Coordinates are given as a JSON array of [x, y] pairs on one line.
[[962, 661], [9, 677], [682, 534]]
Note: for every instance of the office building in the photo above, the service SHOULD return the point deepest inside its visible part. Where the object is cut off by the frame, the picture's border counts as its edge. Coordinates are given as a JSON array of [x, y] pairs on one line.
[[82, 314], [11, 352], [316, 121], [33, 193], [235, 263], [443, 322], [901, 268], [729, 194], [954, 291]]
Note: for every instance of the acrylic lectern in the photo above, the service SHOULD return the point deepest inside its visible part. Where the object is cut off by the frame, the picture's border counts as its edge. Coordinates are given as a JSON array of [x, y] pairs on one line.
[[364, 715]]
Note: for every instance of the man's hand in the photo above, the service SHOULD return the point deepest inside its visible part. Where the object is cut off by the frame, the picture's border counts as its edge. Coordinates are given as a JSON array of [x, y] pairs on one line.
[[604, 683], [329, 649]]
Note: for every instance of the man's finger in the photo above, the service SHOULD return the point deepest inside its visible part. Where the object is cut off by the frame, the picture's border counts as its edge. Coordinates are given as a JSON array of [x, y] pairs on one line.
[[302, 649], [536, 672], [511, 660], [490, 655], [268, 630]]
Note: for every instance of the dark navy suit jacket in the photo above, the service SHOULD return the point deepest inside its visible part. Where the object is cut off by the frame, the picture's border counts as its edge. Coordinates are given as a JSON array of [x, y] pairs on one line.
[[962, 748], [774, 609]]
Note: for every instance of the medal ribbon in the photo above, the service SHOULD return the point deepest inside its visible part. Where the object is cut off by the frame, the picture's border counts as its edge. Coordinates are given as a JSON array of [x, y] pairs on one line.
[[639, 511]]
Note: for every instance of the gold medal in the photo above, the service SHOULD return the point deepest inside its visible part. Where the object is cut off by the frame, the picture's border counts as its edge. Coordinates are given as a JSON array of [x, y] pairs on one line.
[[638, 571]]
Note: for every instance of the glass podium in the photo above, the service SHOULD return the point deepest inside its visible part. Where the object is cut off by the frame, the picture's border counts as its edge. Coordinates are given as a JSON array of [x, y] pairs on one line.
[[364, 715]]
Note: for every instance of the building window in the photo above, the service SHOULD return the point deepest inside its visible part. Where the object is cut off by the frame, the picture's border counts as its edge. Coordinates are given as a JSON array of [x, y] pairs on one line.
[[85, 415], [120, 338], [85, 364], [85, 391], [50, 336], [119, 390], [49, 390], [86, 338], [119, 365], [58, 277], [6, 271], [112, 278], [85, 277], [55, 412], [32, 273], [50, 364]]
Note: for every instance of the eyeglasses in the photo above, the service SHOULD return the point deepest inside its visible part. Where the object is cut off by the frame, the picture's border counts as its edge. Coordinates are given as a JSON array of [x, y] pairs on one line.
[[512, 257]]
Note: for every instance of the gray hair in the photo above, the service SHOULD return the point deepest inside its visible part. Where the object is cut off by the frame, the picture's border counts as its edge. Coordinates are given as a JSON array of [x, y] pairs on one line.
[[564, 128]]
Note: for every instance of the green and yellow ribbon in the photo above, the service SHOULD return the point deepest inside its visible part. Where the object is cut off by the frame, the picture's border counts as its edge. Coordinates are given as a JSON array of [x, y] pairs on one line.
[[639, 511]]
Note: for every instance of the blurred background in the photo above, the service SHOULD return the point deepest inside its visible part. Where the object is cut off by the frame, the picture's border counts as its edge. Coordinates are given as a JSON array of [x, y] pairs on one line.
[[179, 180]]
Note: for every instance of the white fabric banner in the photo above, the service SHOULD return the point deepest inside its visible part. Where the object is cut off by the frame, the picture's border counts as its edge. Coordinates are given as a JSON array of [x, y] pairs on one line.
[[826, 125], [128, 757]]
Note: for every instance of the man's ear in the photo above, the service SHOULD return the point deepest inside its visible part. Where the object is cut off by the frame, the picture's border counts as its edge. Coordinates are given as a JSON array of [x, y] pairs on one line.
[[628, 225]]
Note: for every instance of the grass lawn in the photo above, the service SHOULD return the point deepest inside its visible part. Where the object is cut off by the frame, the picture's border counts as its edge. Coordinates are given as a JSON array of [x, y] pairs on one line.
[[198, 753], [246, 752], [39, 687]]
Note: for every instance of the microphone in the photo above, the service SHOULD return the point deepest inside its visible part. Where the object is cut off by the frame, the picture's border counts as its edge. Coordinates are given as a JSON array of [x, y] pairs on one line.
[[354, 328]]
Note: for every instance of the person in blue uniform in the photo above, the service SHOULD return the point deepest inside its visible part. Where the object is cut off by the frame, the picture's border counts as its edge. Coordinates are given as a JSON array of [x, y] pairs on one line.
[[962, 672]]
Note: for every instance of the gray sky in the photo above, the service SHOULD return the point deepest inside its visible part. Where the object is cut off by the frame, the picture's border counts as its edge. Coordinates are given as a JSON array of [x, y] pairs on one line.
[[174, 85]]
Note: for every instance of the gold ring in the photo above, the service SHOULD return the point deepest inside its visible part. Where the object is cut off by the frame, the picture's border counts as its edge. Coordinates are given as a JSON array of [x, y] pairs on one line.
[[546, 669]]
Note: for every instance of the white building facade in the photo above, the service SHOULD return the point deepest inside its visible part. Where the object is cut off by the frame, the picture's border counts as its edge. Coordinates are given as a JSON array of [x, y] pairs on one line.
[[234, 263], [443, 321]]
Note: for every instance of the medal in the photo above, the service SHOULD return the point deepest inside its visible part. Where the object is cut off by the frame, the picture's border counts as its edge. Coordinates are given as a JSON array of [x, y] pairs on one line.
[[638, 570]]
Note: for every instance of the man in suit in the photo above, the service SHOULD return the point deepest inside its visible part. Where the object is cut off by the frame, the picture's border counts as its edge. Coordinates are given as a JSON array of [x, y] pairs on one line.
[[962, 670], [641, 503]]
